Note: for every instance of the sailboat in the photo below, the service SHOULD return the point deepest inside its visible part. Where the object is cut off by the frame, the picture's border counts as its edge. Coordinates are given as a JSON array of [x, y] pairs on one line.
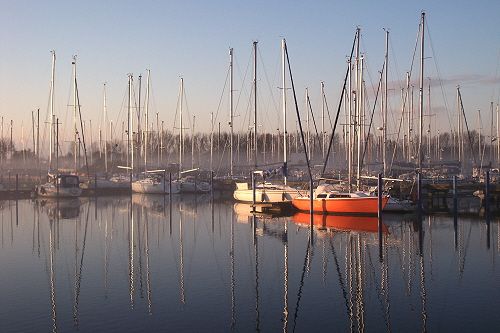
[[58, 184], [153, 182], [326, 200], [266, 192], [188, 184], [105, 184]]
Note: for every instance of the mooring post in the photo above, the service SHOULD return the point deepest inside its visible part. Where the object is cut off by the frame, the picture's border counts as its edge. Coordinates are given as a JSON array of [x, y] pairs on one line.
[[170, 183], [164, 180], [311, 201], [487, 207], [17, 184], [419, 213], [95, 183], [253, 192], [195, 183], [212, 184], [379, 211], [130, 183], [487, 196], [170, 203], [455, 211], [419, 194]]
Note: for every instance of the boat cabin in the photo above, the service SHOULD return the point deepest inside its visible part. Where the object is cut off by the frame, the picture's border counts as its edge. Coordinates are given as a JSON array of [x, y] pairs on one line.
[[67, 181]]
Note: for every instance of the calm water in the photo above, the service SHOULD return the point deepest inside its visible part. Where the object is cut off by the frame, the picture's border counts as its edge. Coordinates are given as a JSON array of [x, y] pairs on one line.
[[142, 264]]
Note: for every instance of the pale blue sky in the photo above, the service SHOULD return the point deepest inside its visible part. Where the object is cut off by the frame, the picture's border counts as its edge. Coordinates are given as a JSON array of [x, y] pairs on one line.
[[191, 38]]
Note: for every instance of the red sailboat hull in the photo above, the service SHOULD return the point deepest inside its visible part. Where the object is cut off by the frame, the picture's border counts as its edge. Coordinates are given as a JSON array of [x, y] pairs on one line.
[[353, 205]]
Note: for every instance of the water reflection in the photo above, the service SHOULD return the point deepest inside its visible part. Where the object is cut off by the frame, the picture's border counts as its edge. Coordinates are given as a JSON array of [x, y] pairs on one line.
[[141, 262]]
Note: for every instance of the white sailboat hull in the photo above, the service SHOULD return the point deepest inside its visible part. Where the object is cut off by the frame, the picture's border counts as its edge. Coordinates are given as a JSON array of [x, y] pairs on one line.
[[273, 195], [152, 187]]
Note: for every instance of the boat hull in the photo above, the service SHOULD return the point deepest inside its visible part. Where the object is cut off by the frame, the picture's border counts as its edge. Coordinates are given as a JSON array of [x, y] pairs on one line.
[[51, 191], [155, 187], [271, 196], [359, 205], [194, 187]]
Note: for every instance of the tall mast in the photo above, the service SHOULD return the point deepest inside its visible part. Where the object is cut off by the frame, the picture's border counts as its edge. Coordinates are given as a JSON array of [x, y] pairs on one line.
[[283, 78], [491, 134], [349, 125], [231, 109], [429, 143], [192, 143], [421, 92], [408, 133], [308, 127], [75, 110], [139, 119], [211, 140], [52, 88], [385, 99], [498, 136], [130, 136], [255, 102], [181, 132], [357, 102], [323, 142], [459, 134], [146, 111], [105, 111], [359, 98]]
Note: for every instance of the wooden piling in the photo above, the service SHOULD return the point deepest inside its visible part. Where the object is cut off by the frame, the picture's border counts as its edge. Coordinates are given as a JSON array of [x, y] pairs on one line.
[[487, 207], [164, 181], [253, 192], [455, 211], [379, 211]]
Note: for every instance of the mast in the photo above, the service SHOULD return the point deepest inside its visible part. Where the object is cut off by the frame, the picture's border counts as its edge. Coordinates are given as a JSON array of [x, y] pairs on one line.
[[349, 124], [429, 125], [51, 125], [139, 146], [357, 103], [192, 143], [408, 133], [255, 101], [231, 110], [459, 134], [130, 143], [385, 99], [491, 134], [75, 109], [323, 142], [498, 136], [359, 98], [308, 127], [105, 111], [146, 115], [421, 92], [181, 132], [283, 78], [211, 140]]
